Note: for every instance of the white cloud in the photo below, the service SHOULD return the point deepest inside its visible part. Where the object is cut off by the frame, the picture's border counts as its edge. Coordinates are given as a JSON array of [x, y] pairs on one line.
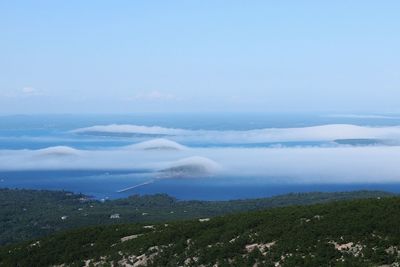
[[29, 90], [26, 91]]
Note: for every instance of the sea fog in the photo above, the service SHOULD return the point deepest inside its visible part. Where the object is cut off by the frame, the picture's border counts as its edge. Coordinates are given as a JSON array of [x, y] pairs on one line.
[[207, 156]]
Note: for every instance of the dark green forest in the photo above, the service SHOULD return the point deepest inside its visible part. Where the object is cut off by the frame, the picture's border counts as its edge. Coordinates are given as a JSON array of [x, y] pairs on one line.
[[28, 214], [362, 232]]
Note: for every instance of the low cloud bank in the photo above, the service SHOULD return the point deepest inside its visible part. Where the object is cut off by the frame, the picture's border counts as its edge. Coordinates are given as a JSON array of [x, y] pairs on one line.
[[157, 144], [329, 132], [61, 151], [190, 167], [131, 129], [363, 116], [247, 165]]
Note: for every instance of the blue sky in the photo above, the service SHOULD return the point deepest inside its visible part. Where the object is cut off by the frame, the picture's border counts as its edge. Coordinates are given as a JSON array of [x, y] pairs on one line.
[[199, 56]]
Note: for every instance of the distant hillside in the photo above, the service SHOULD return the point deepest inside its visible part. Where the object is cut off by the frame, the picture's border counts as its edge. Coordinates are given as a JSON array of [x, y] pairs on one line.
[[346, 233], [27, 214]]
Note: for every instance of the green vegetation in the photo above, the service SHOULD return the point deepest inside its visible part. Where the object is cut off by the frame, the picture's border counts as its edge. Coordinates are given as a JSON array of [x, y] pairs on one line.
[[28, 214], [344, 233]]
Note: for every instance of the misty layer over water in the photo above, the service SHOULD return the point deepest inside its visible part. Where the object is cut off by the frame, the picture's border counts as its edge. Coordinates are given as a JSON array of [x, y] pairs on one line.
[[205, 158]]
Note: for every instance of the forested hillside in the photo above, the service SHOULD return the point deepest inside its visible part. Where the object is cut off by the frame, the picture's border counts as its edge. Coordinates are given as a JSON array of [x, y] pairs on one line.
[[344, 233], [27, 214]]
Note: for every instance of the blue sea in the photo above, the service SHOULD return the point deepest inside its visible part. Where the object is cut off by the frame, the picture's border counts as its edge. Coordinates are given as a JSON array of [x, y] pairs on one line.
[[23, 135]]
